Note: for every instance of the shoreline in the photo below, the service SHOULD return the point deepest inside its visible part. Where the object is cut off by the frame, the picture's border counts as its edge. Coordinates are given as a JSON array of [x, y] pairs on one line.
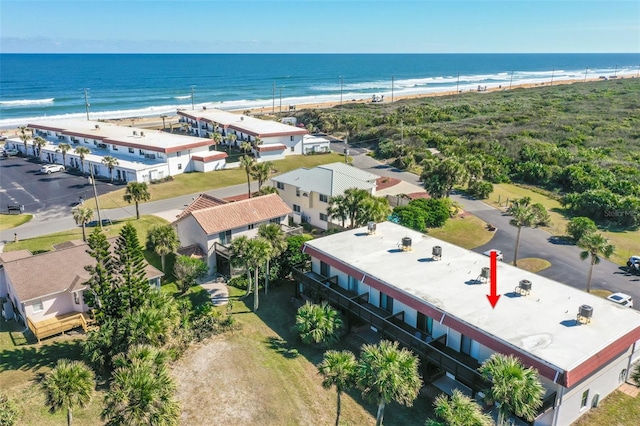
[[156, 122]]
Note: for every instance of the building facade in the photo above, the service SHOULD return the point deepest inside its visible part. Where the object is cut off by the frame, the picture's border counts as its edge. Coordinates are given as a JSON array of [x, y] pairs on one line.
[[431, 297]]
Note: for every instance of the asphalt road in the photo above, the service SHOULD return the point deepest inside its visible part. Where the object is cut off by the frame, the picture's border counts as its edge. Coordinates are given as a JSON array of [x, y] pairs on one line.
[[566, 266], [51, 195]]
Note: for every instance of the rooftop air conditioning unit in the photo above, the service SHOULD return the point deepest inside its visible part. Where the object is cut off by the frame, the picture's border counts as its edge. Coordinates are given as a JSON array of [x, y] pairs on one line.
[[97, 126], [585, 312], [241, 118], [406, 244], [371, 227], [436, 252], [485, 273], [141, 133], [524, 287]]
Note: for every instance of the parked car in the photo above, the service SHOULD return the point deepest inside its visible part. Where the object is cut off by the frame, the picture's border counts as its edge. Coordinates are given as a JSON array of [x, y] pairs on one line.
[[633, 265], [498, 254], [52, 168], [621, 299], [10, 152]]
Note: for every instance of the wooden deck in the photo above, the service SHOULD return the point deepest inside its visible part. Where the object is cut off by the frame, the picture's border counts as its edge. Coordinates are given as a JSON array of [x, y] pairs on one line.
[[59, 324]]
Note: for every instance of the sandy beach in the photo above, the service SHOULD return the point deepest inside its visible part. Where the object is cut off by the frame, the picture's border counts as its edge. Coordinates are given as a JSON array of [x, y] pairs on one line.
[[156, 122]]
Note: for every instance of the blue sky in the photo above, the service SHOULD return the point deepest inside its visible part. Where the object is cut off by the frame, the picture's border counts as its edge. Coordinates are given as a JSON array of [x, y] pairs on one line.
[[320, 26]]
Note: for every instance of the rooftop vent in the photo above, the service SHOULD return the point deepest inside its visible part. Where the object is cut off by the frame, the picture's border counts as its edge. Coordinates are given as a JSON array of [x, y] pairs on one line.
[[135, 133], [141, 133], [524, 287], [97, 126], [585, 312], [406, 244], [436, 252], [371, 227], [484, 274], [241, 118]]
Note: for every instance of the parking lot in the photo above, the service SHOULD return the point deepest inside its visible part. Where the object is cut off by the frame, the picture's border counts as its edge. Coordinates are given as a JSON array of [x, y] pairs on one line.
[[21, 183]]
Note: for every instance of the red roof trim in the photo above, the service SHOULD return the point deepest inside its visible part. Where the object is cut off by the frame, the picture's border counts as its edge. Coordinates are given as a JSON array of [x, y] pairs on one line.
[[41, 127], [271, 147], [209, 158]]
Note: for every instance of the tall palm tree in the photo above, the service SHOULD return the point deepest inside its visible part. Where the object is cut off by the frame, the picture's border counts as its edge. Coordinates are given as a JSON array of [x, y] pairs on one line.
[[82, 216], [231, 139], [525, 215], [338, 369], [247, 163], [216, 138], [64, 148], [82, 152], [337, 209], [376, 209], [69, 384], [39, 143], [388, 373], [239, 257], [111, 163], [163, 240], [245, 146], [266, 190], [319, 324], [513, 386], [354, 199], [273, 234], [137, 192], [458, 410], [261, 172], [24, 137], [259, 250], [594, 244]]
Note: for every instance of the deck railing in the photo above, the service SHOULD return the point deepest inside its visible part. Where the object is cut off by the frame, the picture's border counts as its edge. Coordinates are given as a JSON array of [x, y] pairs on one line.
[[59, 324]]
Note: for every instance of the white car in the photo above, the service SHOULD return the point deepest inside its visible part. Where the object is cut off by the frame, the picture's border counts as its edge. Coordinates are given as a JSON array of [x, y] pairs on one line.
[[621, 299], [52, 168], [498, 254]]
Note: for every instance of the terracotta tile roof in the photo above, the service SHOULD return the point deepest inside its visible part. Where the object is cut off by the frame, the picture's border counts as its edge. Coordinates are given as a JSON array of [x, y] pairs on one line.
[[202, 201], [54, 272], [241, 213]]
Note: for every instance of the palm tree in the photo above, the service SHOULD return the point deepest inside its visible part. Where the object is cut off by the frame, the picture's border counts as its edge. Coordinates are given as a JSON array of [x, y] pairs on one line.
[[261, 172], [231, 138], [24, 137], [245, 146], [458, 410], [216, 138], [141, 394], [338, 369], [594, 244], [82, 216], [318, 324], [163, 240], [388, 373], [354, 199], [273, 234], [247, 163], [111, 163], [258, 252], [337, 209], [38, 143], [136, 192], [69, 384], [266, 190], [376, 209], [64, 148], [525, 215], [239, 257], [82, 152], [513, 386]]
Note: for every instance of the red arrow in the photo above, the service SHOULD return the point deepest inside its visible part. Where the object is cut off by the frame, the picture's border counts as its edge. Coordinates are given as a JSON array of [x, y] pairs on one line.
[[493, 297]]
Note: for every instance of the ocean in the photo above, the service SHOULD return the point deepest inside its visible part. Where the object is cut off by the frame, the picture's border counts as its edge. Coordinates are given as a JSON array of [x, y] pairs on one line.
[[52, 86]]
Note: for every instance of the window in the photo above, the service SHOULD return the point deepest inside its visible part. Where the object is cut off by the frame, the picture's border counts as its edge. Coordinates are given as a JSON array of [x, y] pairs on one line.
[[251, 226], [291, 138], [37, 306], [465, 345], [324, 217], [585, 398], [353, 285], [276, 220], [225, 237], [179, 166], [424, 323], [325, 270], [386, 302], [140, 152], [76, 298], [297, 192], [324, 198], [296, 208], [114, 147], [292, 148], [178, 154], [95, 143], [131, 151], [279, 185]]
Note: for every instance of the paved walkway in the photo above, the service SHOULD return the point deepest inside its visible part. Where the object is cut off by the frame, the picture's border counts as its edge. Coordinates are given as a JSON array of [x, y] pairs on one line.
[[218, 292]]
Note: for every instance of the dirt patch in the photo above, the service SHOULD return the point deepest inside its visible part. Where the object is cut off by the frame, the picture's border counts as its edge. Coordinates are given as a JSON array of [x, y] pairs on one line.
[[386, 182]]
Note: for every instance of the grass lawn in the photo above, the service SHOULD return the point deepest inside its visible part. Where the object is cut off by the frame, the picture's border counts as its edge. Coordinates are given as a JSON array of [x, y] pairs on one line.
[[533, 264], [617, 409], [189, 183], [627, 242], [46, 242], [8, 221], [468, 232]]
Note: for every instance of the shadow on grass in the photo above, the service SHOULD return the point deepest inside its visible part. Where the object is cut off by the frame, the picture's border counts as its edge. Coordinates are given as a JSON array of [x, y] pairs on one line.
[[37, 356], [281, 346]]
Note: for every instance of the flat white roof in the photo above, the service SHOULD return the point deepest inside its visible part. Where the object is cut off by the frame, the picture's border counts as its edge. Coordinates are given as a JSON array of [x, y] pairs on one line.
[[244, 123], [153, 140], [542, 323]]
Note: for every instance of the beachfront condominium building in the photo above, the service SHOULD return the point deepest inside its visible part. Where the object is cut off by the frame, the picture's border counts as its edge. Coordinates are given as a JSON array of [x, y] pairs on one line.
[[307, 191], [277, 139], [432, 297], [143, 155]]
